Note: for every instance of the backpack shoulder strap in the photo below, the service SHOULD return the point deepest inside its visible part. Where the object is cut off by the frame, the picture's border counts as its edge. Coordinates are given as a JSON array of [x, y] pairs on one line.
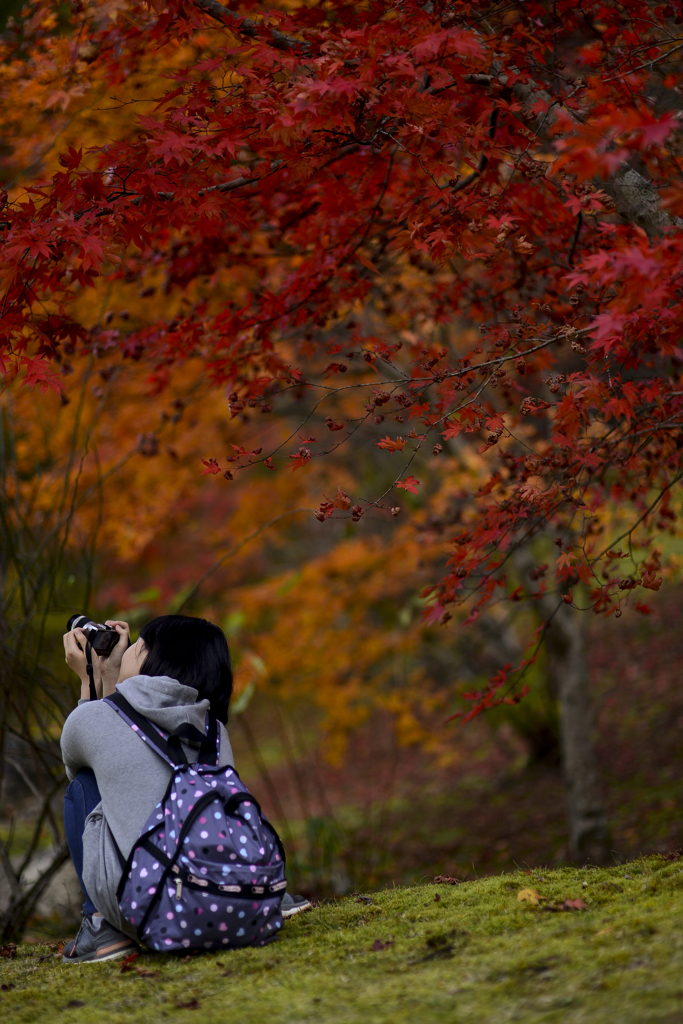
[[209, 741], [169, 748], [145, 730]]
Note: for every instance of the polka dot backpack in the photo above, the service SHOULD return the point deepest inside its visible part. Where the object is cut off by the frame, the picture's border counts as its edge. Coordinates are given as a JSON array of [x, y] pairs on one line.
[[208, 870]]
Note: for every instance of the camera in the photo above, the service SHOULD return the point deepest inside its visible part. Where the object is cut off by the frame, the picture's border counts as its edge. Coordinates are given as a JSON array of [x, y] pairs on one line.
[[103, 640]]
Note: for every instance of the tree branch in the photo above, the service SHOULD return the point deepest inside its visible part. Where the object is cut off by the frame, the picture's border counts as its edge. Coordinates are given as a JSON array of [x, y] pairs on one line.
[[635, 198], [247, 27]]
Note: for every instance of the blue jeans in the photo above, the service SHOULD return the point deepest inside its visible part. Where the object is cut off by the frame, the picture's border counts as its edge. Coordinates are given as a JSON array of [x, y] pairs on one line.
[[81, 797]]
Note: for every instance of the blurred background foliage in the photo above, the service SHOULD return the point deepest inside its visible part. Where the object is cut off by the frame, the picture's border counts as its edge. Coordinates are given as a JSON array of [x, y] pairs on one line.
[[342, 688]]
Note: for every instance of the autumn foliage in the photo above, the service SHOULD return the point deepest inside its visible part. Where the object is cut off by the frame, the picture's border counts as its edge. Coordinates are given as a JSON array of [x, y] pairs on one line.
[[446, 234]]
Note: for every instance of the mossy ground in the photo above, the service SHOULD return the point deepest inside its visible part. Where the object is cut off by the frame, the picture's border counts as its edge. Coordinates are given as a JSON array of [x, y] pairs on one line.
[[476, 954]]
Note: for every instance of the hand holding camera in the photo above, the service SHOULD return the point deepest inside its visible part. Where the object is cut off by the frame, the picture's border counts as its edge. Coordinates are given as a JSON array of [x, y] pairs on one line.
[[108, 644]]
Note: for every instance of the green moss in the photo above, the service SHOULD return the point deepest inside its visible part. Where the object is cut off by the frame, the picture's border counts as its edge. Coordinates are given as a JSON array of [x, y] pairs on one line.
[[475, 954]]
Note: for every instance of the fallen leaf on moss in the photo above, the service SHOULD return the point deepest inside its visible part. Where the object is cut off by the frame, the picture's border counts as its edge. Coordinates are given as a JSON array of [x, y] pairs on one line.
[[447, 880], [127, 964], [73, 1003], [529, 896], [574, 905], [191, 1004], [378, 945]]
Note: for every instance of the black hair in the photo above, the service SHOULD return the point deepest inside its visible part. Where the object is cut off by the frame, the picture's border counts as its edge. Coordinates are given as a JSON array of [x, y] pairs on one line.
[[193, 651]]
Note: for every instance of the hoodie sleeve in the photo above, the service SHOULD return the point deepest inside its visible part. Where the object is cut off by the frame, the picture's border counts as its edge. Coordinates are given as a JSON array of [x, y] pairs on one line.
[[75, 738]]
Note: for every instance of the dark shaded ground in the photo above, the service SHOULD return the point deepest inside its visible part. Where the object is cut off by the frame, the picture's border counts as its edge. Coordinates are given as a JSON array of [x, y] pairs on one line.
[[393, 815]]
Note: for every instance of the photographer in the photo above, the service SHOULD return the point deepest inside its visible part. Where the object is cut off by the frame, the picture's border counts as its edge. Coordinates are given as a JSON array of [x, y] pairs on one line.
[[176, 671], [178, 676]]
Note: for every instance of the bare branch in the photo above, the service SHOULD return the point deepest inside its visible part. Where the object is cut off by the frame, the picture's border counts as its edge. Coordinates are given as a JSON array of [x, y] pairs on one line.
[[247, 27]]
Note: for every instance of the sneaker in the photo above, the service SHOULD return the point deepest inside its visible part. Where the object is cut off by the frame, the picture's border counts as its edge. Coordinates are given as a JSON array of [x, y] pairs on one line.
[[294, 904], [92, 944]]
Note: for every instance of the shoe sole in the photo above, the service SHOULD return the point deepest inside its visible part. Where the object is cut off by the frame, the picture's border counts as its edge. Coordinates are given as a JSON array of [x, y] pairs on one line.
[[99, 959], [296, 910]]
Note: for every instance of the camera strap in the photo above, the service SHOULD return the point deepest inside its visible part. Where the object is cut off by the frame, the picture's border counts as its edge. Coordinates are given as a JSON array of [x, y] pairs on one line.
[[90, 670]]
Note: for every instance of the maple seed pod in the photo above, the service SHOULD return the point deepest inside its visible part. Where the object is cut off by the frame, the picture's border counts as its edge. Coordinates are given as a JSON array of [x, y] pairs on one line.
[[520, 366], [574, 300], [437, 449], [578, 347], [461, 572], [228, 475], [320, 516], [378, 418], [395, 511]]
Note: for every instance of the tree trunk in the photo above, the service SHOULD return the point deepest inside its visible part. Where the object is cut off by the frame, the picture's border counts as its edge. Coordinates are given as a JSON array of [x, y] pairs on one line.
[[589, 839]]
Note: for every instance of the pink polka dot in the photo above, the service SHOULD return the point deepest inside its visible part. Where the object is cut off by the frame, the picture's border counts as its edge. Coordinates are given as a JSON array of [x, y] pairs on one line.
[[170, 915], [233, 790], [202, 821], [214, 907], [220, 849], [152, 890], [169, 942], [222, 927], [191, 854]]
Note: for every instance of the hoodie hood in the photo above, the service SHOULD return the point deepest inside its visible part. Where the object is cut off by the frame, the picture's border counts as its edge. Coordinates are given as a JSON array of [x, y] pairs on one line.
[[165, 701]]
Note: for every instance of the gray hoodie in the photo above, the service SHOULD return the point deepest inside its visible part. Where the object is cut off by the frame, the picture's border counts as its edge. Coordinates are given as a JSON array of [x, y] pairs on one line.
[[132, 779]]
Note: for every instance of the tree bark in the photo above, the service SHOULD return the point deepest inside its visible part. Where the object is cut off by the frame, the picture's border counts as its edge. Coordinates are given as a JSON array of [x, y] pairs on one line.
[[589, 838]]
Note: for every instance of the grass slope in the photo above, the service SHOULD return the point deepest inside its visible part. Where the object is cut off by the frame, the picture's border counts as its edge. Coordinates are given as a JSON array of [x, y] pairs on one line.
[[466, 953]]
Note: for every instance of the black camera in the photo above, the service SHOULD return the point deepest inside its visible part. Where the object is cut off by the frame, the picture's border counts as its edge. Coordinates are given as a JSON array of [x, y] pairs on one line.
[[103, 640]]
